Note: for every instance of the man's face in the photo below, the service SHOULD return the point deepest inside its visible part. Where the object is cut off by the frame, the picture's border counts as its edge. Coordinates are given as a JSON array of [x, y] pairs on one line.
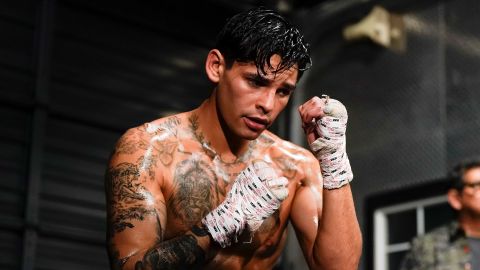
[[470, 194], [249, 102]]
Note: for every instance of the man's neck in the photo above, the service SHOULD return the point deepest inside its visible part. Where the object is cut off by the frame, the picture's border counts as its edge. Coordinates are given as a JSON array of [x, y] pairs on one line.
[[218, 139], [471, 226]]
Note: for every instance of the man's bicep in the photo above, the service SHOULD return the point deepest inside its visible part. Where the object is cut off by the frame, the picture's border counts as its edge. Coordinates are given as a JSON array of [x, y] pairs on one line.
[[136, 207], [306, 211]]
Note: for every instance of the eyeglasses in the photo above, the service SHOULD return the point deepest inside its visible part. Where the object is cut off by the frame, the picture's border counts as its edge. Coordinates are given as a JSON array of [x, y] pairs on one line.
[[475, 185]]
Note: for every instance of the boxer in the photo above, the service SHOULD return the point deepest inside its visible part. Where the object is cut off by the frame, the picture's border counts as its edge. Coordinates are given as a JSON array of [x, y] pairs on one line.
[[213, 188]]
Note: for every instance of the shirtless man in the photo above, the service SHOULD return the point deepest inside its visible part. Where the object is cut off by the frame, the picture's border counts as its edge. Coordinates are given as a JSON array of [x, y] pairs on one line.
[[212, 188]]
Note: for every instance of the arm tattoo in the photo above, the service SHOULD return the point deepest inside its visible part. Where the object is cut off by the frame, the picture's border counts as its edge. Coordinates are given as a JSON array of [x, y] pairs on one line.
[[131, 142], [126, 197], [179, 253]]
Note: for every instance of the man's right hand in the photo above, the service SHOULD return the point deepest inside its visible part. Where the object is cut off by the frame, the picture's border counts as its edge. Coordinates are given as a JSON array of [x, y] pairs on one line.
[[325, 123], [255, 195]]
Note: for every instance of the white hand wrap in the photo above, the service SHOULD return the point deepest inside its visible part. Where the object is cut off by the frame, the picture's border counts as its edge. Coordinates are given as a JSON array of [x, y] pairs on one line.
[[330, 147], [249, 202]]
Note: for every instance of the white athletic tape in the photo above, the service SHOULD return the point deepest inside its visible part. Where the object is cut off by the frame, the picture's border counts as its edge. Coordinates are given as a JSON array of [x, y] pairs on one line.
[[248, 203], [277, 185], [335, 109], [279, 188], [259, 202], [330, 147], [279, 182]]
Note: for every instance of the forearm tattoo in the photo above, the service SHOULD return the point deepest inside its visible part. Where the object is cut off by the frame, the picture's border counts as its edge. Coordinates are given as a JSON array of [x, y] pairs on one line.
[[179, 253]]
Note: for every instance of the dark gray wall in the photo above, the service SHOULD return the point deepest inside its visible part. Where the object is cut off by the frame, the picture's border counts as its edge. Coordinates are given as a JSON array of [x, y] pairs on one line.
[[73, 77]]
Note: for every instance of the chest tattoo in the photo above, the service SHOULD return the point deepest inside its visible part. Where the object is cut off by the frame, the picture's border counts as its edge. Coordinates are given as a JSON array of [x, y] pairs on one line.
[[195, 191]]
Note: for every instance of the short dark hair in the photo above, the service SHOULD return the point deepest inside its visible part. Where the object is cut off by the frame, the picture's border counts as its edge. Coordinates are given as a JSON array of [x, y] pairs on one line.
[[456, 174], [258, 34]]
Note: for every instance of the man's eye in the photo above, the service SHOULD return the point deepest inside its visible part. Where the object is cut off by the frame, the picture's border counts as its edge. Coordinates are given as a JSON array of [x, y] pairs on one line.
[[284, 92]]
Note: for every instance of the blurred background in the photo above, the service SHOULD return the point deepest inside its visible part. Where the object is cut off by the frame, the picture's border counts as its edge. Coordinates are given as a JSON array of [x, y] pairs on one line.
[[74, 75]]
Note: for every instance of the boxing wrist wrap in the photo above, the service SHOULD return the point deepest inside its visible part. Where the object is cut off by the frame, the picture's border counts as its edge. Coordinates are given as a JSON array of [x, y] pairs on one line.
[[330, 147], [247, 204]]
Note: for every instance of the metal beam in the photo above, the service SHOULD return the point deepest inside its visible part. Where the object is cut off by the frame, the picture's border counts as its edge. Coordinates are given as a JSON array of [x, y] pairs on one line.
[[42, 52]]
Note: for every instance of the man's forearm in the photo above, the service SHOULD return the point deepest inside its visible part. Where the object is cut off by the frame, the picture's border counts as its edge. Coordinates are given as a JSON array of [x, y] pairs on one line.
[[178, 253], [339, 241], [184, 252]]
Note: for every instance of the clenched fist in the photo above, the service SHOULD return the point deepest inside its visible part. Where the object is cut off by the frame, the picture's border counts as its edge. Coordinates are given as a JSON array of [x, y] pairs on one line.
[[324, 121]]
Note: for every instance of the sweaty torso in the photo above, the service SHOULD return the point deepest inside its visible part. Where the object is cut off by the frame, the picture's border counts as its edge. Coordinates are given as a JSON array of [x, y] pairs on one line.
[[194, 180]]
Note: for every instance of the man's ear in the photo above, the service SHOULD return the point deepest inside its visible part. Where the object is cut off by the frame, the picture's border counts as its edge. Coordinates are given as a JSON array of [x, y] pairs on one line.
[[214, 65], [454, 200]]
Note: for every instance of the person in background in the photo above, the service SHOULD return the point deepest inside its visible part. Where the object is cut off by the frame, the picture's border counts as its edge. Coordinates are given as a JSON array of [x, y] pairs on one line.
[[456, 245]]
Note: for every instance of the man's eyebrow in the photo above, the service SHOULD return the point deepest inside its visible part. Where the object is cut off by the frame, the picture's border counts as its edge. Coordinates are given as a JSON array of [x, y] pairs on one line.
[[262, 79], [289, 86], [257, 77]]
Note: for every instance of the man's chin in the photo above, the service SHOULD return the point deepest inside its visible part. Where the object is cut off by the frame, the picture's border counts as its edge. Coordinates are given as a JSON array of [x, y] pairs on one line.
[[252, 135]]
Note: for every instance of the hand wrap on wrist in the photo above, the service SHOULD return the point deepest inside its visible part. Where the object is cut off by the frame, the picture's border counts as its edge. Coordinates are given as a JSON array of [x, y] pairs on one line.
[[249, 202], [330, 147]]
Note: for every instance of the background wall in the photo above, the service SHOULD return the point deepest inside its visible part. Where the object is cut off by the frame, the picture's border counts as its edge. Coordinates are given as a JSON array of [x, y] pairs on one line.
[[74, 75]]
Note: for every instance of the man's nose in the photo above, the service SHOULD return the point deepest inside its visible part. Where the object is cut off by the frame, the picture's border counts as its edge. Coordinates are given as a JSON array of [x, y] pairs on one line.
[[266, 101]]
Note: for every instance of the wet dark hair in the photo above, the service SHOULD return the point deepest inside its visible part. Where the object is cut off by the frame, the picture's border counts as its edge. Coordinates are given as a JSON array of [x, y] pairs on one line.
[[456, 174], [258, 34]]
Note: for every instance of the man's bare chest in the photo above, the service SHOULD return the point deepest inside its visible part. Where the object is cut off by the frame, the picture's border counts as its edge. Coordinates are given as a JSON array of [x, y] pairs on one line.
[[197, 185], [194, 186]]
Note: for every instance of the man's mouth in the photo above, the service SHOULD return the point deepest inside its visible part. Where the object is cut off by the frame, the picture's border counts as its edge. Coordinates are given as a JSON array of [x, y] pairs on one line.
[[256, 123]]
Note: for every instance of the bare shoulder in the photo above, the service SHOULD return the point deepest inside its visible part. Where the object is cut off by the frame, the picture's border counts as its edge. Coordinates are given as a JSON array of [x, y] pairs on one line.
[[137, 140], [146, 150], [279, 146], [295, 161]]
